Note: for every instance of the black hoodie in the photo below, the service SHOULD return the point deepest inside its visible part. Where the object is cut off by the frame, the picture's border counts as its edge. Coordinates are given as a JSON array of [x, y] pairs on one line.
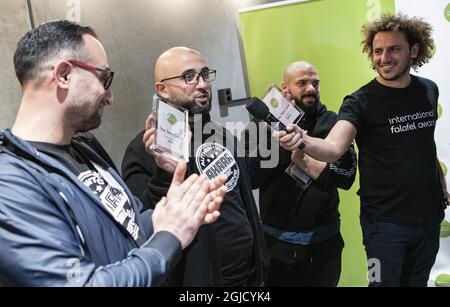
[[239, 228], [286, 206]]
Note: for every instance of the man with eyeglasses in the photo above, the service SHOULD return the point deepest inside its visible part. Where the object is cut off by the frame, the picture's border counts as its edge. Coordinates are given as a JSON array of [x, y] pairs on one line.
[[230, 252], [66, 216]]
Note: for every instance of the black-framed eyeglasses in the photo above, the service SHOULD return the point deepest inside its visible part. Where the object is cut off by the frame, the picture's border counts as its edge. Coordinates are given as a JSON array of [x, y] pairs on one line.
[[193, 77], [106, 75]]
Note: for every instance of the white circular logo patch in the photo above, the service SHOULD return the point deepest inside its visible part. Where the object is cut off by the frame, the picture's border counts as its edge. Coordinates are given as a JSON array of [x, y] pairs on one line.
[[214, 160]]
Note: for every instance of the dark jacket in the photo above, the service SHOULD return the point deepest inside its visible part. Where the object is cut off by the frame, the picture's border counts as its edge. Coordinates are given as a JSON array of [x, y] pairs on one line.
[[54, 231], [286, 206], [90, 140], [200, 265]]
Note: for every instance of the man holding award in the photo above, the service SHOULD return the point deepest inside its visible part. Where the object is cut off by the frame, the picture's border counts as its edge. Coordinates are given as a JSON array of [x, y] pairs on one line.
[[66, 216], [299, 198], [230, 252]]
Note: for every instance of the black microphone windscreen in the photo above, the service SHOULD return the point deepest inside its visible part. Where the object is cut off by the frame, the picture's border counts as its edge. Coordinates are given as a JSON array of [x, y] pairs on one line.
[[257, 108]]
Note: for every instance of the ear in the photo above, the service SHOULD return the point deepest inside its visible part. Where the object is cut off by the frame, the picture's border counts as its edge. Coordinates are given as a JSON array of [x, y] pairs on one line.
[[284, 86], [415, 50], [161, 90], [62, 74]]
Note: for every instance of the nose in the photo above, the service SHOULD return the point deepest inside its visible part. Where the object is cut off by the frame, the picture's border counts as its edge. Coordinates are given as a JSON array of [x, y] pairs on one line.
[[385, 57], [109, 96], [201, 82], [310, 88]]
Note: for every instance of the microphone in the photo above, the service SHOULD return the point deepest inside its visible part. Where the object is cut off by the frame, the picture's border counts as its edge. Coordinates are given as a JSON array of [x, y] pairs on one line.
[[261, 112]]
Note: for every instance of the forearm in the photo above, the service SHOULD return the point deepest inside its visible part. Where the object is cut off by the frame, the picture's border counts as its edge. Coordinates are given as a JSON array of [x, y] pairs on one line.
[[342, 173], [441, 175], [443, 182], [60, 261], [323, 150], [145, 267], [334, 145], [311, 166]]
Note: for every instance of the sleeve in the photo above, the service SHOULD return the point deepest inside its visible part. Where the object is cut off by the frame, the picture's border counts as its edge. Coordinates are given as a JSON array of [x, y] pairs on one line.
[[41, 248], [432, 91], [351, 110], [342, 173], [143, 177]]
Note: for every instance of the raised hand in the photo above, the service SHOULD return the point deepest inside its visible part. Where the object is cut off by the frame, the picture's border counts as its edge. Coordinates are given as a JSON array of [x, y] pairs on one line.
[[189, 204], [290, 139], [162, 161]]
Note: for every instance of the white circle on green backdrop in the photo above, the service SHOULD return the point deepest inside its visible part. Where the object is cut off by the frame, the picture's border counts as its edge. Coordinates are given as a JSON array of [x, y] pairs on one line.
[[439, 110], [444, 167], [447, 12], [442, 280], [445, 229]]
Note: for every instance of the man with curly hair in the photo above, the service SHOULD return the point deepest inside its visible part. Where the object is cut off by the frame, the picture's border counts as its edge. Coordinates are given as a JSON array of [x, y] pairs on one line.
[[392, 118]]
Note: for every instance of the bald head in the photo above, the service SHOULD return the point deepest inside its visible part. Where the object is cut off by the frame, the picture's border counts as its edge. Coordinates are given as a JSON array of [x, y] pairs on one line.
[[174, 66], [168, 63], [296, 68], [302, 82]]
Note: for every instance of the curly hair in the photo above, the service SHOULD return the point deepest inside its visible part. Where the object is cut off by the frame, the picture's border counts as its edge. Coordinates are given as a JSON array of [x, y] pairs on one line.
[[415, 29]]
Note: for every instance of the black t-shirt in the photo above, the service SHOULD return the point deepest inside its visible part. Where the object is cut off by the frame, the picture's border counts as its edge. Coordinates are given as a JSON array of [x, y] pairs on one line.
[[399, 178], [100, 181]]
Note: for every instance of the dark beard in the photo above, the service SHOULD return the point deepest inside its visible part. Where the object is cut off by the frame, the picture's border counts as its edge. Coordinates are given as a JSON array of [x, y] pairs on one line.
[[75, 116], [194, 108], [89, 124], [308, 108]]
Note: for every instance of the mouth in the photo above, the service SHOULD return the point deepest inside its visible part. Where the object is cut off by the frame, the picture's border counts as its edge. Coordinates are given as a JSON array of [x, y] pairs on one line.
[[309, 97], [387, 67], [202, 99]]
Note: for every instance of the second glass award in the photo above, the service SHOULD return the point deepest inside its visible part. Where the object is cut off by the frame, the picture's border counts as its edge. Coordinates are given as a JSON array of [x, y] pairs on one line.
[[172, 130]]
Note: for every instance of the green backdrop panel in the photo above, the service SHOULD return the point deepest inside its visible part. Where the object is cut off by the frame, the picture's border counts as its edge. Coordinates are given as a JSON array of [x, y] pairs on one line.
[[326, 33]]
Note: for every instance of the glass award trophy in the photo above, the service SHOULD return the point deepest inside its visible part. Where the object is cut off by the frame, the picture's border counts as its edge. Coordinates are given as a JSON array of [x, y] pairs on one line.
[[303, 180], [172, 130], [285, 112]]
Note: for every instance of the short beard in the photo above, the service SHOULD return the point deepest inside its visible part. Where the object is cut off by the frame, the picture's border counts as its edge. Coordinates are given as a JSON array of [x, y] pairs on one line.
[[397, 76], [74, 115], [194, 108], [90, 124], [308, 108]]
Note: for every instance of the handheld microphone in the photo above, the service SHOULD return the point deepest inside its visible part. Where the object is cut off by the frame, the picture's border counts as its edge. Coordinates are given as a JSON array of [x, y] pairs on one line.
[[261, 112]]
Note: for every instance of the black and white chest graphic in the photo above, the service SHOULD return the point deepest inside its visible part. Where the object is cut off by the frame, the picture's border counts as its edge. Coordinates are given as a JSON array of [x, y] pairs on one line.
[[214, 160], [113, 197]]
